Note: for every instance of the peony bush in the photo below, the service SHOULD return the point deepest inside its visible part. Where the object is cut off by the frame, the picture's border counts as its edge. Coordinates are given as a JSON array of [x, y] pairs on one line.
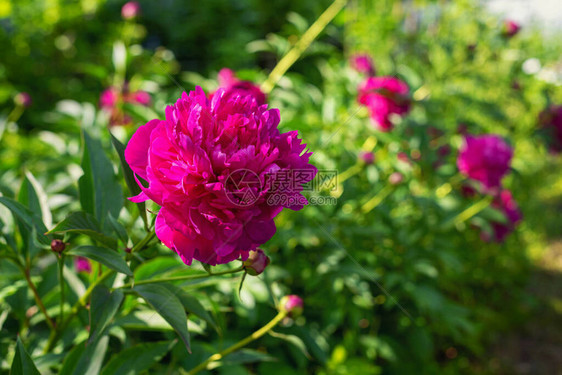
[[285, 207]]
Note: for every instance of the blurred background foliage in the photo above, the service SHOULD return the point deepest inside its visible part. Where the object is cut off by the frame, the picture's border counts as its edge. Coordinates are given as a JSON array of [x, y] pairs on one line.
[[400, 288]]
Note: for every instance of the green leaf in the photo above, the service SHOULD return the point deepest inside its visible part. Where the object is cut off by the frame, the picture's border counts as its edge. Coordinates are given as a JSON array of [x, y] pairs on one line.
[[119, 229], [191, 304], [103, 307], [158, 266], [103, 255], [22, 363], [85, 359], [84, 223], [99, 190], [31, 221], [168, 305], [34, 197], [137, 359], [134, 188]]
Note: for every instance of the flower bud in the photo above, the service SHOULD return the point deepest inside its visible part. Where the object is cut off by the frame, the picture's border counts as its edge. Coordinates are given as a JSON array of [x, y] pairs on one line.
[[363, 64], [130, 10], [367, 157], [291, 304], [23, 99], [256, 263], [510, 28], [395, 178], [57, 246]]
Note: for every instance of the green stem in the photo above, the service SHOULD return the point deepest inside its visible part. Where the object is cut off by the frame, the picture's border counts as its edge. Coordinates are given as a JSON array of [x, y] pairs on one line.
[[472, 210], [144, 242], [61, 281], [307, 38], [240, 344], [352, 171], [181, 278], [377, 199], [53, 338]]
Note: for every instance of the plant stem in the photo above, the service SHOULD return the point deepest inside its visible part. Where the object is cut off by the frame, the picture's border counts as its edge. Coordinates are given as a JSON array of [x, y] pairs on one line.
[[240, 344], [307, 38], [181, 278], [472, 210], [53, 338], [377, 199], [142, 244], [61, 281], [38, 300], [352, 171]]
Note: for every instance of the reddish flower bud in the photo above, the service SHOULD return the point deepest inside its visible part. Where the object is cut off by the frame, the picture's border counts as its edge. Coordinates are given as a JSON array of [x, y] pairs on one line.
[[256, 263], [363, 64], [395, 178], [130, 10], [510, 28], [57, 246], [367, 157], [291, 304], [23, 99]]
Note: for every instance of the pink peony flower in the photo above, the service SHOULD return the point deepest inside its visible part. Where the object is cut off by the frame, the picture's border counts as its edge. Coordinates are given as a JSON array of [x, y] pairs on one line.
[[550, 121], [23, 99], [384, 96], [363, 64], [505, 203], [485, 158], [510, 28], [82, 264], [233, 86], [214, 165], [130, 10]]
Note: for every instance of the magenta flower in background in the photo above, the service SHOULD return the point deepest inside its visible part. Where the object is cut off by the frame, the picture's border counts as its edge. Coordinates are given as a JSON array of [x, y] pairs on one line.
[[111, 97], [82, 264], [140, 97], [485, 158], [510, 28], [550, 121], [505, 203], [384, 96], [367, 157], [363, 64], [23, 99], [234, 86], [214, 165], [130, 10]]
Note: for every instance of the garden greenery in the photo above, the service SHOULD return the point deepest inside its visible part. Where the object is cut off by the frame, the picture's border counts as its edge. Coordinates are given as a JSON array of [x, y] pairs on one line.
[[142, 216]]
